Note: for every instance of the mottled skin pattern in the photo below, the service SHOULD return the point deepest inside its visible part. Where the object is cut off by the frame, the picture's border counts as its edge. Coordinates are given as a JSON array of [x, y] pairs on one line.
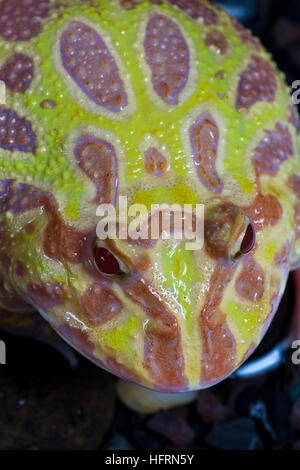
[[164, 102]]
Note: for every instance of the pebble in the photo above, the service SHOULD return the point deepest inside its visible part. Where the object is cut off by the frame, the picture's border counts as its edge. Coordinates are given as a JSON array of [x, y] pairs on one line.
[[174, 427], [237, 434], [271, 409], [119, 442], [210, 409]]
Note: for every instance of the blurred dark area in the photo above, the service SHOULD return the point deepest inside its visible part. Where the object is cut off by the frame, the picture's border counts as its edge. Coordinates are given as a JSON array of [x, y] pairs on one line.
[[45, 404]]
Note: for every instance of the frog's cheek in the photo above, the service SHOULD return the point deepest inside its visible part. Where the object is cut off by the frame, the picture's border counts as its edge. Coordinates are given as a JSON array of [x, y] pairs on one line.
[[295, 263], [295, 260], [128, 331], [122, 326], [294, 185], [154, 356], [80, 340]]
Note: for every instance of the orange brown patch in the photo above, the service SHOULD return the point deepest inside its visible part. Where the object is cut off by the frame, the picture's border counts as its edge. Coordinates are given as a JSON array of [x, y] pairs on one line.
[[204, 136], [65, 242], [273, 150], [60, 240], [129, 4], [196, 9], [21, 20], [155, 162], [100, 304], [250, 283], [283, 257], [216, 41], [257, 83], [46, 295], [83, 54], [264, 211], [16, 132], [219, 347], [97, 158], [17, 72], [168, 57], [163, 352]]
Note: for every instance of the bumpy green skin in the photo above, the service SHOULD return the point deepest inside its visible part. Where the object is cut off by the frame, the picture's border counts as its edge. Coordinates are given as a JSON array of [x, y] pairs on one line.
[[164, 102]]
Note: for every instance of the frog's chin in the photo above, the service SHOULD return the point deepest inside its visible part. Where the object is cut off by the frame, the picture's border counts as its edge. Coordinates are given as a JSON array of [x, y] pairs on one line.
[[132, 387], [78, 339]]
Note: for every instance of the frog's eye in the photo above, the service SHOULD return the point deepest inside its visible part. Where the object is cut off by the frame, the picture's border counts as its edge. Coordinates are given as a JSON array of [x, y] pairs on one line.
[[247, 243], [248, 240], [107, 263]]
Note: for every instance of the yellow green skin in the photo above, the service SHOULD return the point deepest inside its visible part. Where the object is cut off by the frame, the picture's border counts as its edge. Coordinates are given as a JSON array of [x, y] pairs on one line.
[[213, 327]]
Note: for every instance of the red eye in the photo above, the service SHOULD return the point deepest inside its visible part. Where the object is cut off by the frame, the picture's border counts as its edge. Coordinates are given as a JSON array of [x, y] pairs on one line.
[[248, 240], [106, 262]]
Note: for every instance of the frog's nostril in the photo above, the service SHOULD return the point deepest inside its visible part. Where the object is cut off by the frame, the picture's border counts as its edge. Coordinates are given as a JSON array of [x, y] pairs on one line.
[[106, 262], [248, 240]]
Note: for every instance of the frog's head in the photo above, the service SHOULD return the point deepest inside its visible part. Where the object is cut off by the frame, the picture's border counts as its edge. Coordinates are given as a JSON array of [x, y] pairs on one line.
[[169, 103]]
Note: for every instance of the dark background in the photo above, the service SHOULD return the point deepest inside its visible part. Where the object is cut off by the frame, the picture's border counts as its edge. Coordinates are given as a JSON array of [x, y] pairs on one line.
[[45, 404]]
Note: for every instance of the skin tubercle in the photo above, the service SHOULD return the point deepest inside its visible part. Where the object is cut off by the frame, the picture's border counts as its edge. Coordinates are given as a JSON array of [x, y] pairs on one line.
[[160, 325]]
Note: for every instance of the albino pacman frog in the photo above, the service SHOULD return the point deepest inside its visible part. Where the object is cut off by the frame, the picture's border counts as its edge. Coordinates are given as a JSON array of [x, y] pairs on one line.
[[171, 102]]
